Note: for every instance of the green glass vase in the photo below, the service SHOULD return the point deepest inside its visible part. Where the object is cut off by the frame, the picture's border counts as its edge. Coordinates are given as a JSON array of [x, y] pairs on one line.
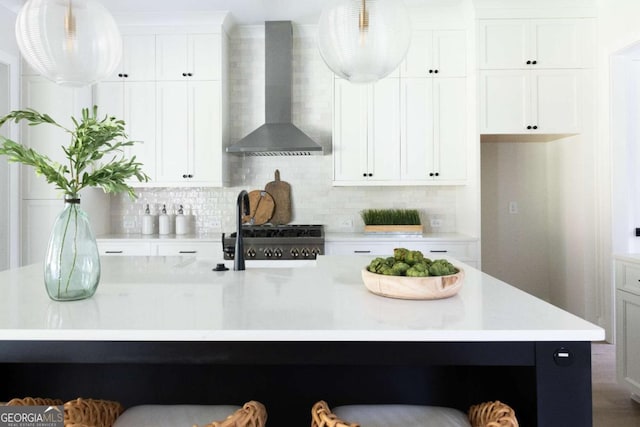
[[72, 262]]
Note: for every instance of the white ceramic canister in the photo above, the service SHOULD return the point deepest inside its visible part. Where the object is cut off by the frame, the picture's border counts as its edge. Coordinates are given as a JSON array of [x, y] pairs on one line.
[[148, 222], [182, 222], [164, 222]]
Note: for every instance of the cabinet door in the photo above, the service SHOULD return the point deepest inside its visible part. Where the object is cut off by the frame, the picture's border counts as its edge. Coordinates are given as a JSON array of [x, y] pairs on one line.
[[551, 43], [350, 131], [115, 248], [384, 131], [209, 250], [171, 56], [450, 130], [558, 43], [556, 101], [436, 54], [140, 119], [133, 102], [503, 43], [196, 54], [137, 62], [417, 129], [628, 341], [505, 101], [172, 139], [205, 139], [204, 56], [61, 103], [38, 217], [360, 248]]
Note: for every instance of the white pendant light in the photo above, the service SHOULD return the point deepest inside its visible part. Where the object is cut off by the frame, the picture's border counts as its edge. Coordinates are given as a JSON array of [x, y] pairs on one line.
[[364, 40], [71, 42]]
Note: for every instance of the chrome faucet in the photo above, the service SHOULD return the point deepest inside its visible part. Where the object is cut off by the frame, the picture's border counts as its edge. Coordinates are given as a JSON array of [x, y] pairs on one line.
[[242, 208]]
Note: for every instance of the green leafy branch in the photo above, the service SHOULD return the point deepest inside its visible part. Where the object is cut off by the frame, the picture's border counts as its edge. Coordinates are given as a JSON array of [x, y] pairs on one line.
[[95, 154]]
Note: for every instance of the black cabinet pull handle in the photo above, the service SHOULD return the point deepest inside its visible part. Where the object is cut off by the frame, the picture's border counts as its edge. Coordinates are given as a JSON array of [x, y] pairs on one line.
[[189, 74], [188, 252], [535, 127], [437, 173], [126, 75], [528, 127], [528, 62], [430, 71], [435, 71], [112, 252], [120, 75], [430, 173], [534, 62], [361, 252], [184, 74], [189, 176], [438, 251], [184, 175]]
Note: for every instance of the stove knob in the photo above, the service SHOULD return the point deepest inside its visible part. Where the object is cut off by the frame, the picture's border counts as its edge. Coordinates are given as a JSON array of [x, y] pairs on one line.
[[268, 253], [277, 252], [251, 253], [315, 252], [305, 253], [294, 253]]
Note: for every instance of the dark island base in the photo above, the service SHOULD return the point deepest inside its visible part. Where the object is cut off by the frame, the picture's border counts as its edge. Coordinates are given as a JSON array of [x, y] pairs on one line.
[[289, 377]]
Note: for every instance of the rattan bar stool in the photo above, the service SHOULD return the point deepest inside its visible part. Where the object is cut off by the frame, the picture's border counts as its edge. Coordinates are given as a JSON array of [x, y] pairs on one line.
[[78, 412], [489, 414], [251, 414]]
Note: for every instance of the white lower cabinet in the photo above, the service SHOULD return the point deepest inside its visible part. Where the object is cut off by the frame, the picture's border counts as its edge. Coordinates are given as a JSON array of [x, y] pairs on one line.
[[627, 280], [463, 250], [124, 248], [175, 247], [212, 250]]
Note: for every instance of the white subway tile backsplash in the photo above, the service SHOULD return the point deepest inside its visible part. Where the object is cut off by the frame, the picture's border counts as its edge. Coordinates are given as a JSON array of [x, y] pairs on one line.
[[314, 199]]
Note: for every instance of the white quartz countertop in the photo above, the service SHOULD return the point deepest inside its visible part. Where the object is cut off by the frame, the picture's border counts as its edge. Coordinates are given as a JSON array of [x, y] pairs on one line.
[[182, 299], [329, 237]]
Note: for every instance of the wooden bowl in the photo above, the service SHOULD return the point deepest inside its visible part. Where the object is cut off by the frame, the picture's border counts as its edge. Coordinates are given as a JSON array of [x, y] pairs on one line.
[[433, 287]]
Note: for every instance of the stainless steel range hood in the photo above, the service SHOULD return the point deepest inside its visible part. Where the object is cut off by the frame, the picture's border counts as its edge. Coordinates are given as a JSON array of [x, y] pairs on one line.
[[278, 136]]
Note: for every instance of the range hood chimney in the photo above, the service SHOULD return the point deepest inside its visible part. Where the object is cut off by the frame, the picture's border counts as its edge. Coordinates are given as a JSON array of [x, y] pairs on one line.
[[278, 136]]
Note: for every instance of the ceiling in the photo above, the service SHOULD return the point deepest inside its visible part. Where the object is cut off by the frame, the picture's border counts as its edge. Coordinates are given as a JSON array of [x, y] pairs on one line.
[[245, 12]]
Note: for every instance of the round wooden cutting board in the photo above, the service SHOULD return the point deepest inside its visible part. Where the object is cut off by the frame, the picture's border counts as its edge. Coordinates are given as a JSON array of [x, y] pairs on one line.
[[261, 207]]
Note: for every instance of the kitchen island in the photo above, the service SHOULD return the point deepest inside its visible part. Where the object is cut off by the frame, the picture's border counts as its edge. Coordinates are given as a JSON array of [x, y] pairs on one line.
[[171, 330]]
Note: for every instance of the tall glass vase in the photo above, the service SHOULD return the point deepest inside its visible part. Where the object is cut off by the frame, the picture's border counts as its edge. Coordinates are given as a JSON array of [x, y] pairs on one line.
[[72, 262]]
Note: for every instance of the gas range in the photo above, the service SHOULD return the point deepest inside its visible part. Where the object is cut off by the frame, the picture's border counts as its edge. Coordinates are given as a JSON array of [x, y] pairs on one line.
[[277, 242]]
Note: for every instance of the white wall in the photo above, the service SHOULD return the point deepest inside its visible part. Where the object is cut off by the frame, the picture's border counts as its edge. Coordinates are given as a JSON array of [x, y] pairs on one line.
[[8, 175], [618, 31], [515, 246], [315, 200]]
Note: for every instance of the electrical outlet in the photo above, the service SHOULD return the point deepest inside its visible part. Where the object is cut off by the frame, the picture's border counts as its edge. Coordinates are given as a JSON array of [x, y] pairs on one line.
[[435, 223], [513, 207], [347, 223]]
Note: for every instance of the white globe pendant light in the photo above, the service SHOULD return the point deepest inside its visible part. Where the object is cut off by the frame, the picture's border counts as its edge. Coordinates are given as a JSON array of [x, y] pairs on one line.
[[364, 40], [71, 42]]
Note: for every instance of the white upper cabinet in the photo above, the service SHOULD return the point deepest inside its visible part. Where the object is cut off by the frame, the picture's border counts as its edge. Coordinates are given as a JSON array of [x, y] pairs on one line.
[[436, 53], [188, 56], [366, 132], [535, 102], [189, 149], [433, 127], [133, 102], [534, 43], [138, 62]]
